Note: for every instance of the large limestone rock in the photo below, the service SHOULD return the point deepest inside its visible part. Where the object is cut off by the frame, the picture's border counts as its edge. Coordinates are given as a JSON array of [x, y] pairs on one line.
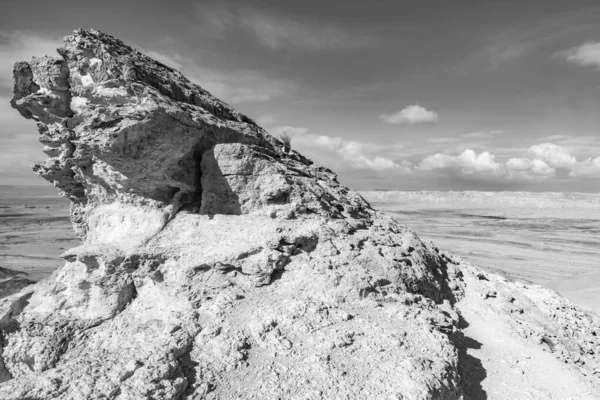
[[216, 263]]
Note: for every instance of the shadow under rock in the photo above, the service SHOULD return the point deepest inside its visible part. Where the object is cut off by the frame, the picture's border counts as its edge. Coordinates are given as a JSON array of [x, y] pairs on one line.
[[470, 368]]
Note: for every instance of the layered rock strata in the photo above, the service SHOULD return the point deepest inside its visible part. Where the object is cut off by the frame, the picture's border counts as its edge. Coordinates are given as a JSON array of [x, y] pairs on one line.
[[216, 262]]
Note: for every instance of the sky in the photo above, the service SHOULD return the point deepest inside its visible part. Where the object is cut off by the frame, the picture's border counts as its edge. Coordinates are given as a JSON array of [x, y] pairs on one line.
[[429, 95]]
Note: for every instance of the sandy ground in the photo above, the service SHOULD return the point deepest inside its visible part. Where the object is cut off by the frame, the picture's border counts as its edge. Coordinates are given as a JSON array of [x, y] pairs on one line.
[[499, 364], [561, 253], [34, 230]]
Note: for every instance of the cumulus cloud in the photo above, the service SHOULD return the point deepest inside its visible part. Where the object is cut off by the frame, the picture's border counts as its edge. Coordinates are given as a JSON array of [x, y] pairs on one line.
[[587, 54], [583, 146], [414, 114], [589, 168], [275, 31], [543, 161], [524, 168], [342, 154], [466, 163], [554, 155], [354, 153]]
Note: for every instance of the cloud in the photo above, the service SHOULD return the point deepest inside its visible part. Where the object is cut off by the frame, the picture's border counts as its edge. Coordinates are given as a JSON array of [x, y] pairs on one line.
[[587, 54], [354, 153], [543, 162], [235, 86], [275, 31], [414, 114], [467, 163], [583, 146], [589, 168], [526, 169], [554, 155], [341, 154]]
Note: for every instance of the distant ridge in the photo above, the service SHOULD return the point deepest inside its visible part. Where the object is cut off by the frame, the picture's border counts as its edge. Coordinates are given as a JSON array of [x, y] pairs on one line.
[[517, 204]]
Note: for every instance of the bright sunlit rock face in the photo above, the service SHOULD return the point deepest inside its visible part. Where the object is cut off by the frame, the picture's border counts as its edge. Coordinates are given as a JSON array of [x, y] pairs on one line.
[[218, 263]]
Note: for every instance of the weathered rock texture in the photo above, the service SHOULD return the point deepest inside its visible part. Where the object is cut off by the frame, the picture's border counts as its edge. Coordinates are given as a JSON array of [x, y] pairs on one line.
[[215, 262]]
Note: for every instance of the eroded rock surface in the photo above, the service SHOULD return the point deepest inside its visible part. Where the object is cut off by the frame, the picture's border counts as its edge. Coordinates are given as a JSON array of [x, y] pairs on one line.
[[215, 262]]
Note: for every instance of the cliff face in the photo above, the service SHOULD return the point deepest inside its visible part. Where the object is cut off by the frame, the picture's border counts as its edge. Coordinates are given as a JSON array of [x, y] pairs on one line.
[[215, 262]]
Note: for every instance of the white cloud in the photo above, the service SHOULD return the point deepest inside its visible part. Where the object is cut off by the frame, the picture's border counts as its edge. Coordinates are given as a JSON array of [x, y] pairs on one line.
[[342, 154], [277, 31], [471, 165], [526, 169], [589, 168], [583, 146], [466, 163], [542, 163], [554, 155], [354, 153], [414, 114], [588, 54]]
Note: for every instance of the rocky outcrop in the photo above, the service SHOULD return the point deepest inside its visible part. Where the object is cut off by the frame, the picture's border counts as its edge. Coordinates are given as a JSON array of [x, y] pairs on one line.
[[215, 261]]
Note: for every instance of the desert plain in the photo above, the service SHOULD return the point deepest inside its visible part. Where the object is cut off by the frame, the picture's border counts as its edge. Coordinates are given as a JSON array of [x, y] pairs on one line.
[[549, 239]]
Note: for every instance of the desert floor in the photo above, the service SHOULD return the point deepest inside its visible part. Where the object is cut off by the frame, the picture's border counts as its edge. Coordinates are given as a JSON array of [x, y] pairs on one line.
[[34, 229], [558, 249]]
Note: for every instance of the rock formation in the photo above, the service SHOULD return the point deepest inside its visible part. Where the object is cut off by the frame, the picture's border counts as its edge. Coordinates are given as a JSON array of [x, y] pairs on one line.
[[218, 263]]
